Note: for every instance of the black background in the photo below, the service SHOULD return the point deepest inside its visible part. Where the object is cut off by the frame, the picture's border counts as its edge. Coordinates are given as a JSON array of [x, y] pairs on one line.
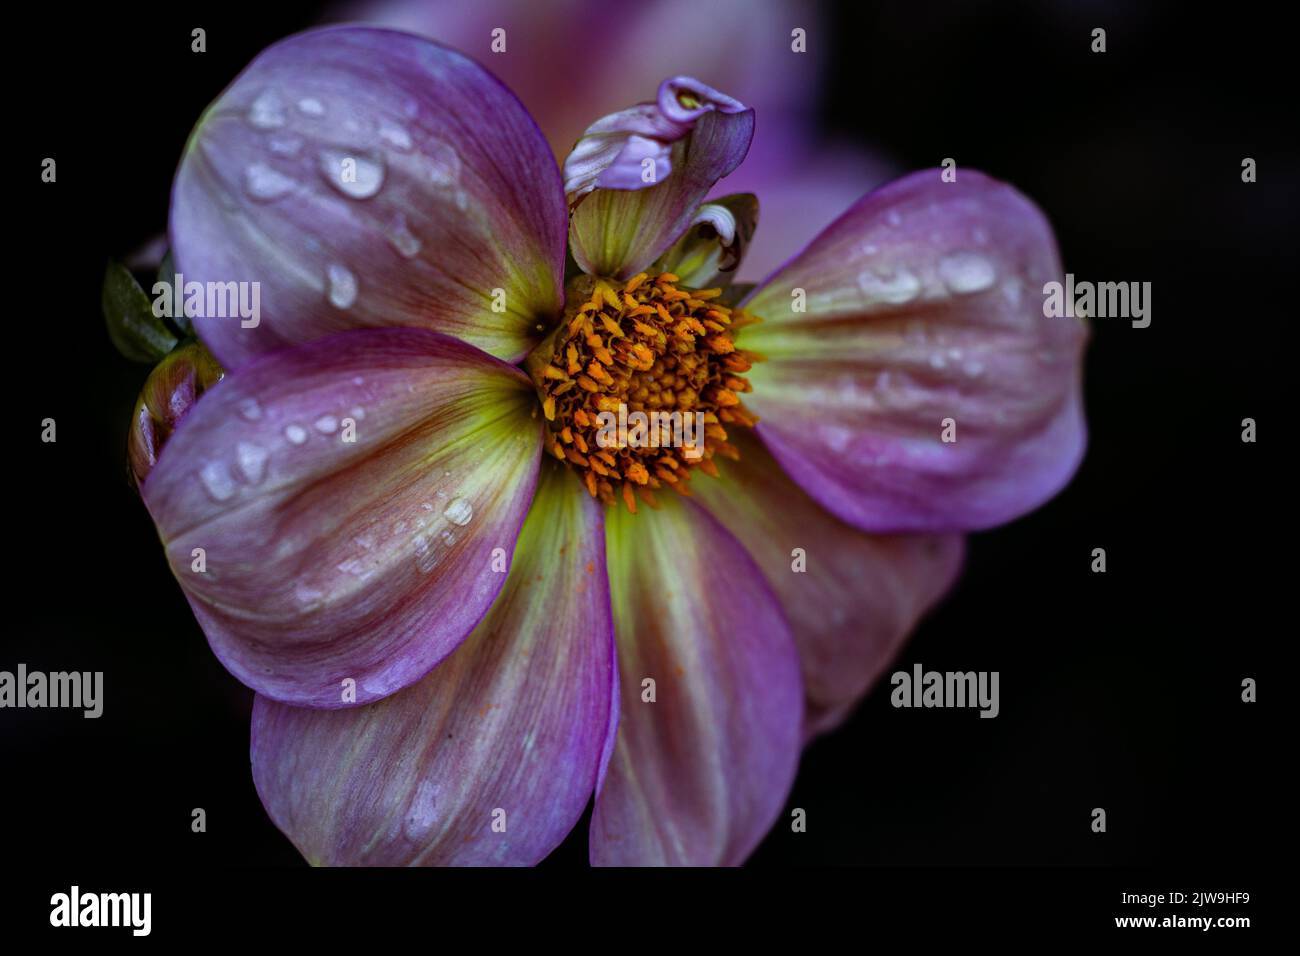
[[1119, 690]]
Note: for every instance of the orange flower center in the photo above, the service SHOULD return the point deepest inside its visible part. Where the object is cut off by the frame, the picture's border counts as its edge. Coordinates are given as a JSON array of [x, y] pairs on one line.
[[639, 384]]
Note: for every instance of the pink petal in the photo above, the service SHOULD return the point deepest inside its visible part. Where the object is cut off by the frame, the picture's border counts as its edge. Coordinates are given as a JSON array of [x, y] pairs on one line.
[[509, 730], [370, 178], [699, 775], [858, 596], [924, 315], [328, 560]]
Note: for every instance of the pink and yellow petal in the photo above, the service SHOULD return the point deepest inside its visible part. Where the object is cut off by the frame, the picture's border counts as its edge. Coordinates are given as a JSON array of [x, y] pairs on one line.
[[912, 381], [490, 759], [709, 728], [370, 178], [852, 598], [333, 511]]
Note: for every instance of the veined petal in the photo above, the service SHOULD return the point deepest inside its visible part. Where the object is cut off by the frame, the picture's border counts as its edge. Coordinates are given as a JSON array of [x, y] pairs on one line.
[[699, 774], [491, 758], [347, 497], [369, 178], [693, 133], [923, 389], [852, 598]]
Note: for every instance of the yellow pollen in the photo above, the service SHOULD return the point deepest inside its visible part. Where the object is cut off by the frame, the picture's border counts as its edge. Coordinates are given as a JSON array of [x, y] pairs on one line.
[[655, 359]]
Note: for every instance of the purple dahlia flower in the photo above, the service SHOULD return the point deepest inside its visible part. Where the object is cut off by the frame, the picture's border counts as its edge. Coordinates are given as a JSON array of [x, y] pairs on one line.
[[397, 519]]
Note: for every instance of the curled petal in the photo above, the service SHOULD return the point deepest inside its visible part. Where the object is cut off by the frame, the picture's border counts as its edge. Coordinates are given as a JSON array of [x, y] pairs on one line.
[[707, 751], [492, 757], [713, 247], [852, 598], [613, 150], [333, 511], [912, 381], [368, 178], [638, 176]]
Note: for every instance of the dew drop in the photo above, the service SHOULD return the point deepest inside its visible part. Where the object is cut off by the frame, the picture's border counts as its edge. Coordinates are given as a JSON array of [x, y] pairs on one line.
[[342, 286], [266, 184], [404, 241], [894, 218], [1011, 292], [444, 165], [296, 434], [252, 461], [837, 437], [894, 287], [267, 111], [395, 136], [217, 481], [966, 272], [311, 106], [327, 424], [459, 511], [306, 595], [355, 176], [249, 410], [285, 144]]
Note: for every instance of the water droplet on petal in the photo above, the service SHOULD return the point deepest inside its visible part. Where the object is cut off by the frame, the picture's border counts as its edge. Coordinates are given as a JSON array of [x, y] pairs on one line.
[[306, 595], [837, 437], [249, 410], [459, 511], [894, 218], [311, 106], [342, 286], [296, 434], [354, 175], [444, 165], [252, 461], [267, 111], [266, 184], [966, 272], [1011, 292], [395, 136], [285, 144], [217, 481], [894, 287], [327, 424], [404, 241]]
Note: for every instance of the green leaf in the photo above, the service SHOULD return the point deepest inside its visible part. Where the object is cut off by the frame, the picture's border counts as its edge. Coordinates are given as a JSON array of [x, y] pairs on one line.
[[167, 274], [136, 332]]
